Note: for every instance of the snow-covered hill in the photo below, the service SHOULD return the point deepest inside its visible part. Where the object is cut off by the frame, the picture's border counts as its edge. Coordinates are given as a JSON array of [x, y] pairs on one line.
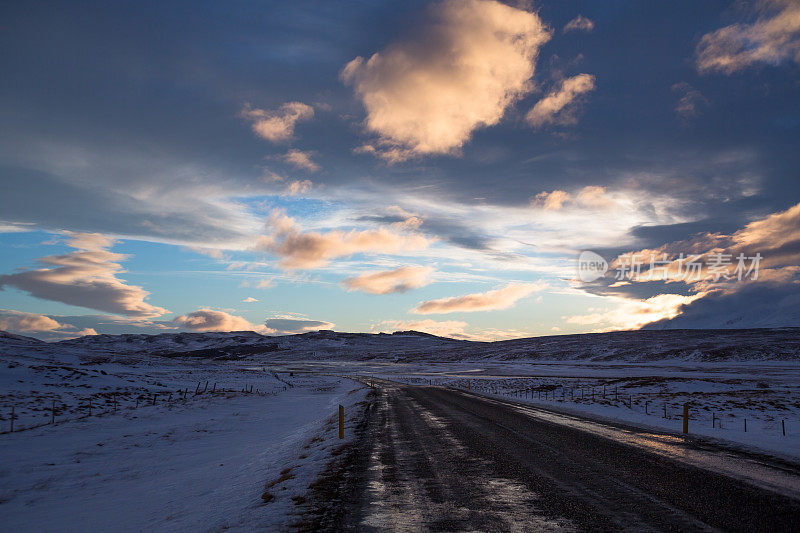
[[776, 344]]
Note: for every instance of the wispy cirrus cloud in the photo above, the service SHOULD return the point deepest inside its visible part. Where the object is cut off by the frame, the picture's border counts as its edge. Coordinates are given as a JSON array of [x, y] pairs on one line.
[[468, 63], [299, 250], [773, 38], [561, 105], [502, 298], [86, 277], [277, 126], [401, 279]]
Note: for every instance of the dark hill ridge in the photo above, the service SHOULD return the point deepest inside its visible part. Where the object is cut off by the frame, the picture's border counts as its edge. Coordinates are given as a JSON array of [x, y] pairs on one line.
[[769, 344]]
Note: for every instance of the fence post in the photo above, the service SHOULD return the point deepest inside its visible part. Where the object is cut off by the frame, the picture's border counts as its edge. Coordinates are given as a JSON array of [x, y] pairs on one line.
[[341, 422], [745, 425], [783, 427], [686, 417], [12, 419], [645, 408]]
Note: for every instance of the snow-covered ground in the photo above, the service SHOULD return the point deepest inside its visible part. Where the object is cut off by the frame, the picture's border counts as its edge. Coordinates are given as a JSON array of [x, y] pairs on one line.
[[227, 430], [228, 460]]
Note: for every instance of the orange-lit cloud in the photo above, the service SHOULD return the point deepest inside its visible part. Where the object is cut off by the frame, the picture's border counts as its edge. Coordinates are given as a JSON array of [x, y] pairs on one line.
[[298, 187], [301, 159], [560, 106], [212, 320], [299, 250], [427, 94], [27, 322], [277, 126], [633, 314], [589, 197], [483, 301], [772, 39], [579, 23], [390, 281]]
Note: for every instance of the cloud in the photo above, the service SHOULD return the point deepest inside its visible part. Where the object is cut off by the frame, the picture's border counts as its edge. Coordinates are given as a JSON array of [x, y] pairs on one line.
[[390, 281], [292, 326], [250, 299], [551, 201], [593, 196], [301, 159], [560, 105], [299, 250], [772, 39], [18, 321], [633, 314], [211, 320], [589, 197], [710, 300], [482, 301], [85, 278], [460, 72], [277, 126], [579, 23], [298, 187], [690, 102]]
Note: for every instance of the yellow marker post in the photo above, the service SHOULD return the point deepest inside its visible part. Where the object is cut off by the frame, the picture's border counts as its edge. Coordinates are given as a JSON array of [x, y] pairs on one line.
[[341, 422], [686, 418]]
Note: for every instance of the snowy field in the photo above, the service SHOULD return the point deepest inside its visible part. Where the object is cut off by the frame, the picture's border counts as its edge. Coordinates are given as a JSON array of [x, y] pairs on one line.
[[227, 431], [227, 460]]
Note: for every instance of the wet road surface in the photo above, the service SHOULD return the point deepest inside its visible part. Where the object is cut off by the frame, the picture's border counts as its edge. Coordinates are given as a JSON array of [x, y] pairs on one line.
[[430, 458]]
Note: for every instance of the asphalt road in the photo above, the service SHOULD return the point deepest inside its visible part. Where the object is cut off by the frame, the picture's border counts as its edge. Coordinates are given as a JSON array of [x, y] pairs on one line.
[[429, 458]]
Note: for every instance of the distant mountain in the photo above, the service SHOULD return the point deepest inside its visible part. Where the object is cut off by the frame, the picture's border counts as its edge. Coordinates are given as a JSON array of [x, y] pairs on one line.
[[768, 344]]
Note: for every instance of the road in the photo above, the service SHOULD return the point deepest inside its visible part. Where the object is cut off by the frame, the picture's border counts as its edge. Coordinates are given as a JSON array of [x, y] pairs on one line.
[[430, 458]]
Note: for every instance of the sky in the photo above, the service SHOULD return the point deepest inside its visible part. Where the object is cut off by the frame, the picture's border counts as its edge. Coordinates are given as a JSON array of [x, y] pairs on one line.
[[381, 166]]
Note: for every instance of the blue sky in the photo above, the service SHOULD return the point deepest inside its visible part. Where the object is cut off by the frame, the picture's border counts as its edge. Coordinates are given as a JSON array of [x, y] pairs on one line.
[[394, 165]]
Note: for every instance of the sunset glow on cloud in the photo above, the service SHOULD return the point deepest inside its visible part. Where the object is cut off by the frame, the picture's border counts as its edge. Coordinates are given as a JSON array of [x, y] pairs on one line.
[[358, 168]]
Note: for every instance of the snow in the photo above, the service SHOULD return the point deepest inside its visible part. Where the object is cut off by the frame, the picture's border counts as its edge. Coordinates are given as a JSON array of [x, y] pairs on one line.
[[202, 465], [202, 461]]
